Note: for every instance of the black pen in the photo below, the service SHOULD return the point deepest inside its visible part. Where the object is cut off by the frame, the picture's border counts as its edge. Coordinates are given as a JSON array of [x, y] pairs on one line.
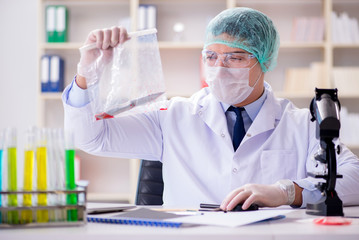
[[216, 207], [210, 207]]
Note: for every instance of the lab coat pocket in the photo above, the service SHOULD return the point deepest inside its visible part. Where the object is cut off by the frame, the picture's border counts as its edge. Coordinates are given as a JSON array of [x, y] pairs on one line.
[[278, 164]]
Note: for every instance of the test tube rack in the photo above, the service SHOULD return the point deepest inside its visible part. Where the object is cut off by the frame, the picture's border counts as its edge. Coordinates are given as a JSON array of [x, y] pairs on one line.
[[80, 207]]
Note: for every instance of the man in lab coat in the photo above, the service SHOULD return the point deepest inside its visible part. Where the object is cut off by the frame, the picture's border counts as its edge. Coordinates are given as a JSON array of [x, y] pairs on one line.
[[232, 142]]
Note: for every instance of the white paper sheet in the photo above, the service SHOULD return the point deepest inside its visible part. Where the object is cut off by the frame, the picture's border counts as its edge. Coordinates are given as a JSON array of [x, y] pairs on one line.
[[231, 219]]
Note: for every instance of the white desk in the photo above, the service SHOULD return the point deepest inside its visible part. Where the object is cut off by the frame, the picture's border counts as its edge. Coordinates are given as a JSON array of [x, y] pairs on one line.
[[296, 225]]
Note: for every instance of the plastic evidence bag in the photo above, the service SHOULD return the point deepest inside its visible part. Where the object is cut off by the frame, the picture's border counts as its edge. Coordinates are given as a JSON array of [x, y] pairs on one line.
[[131, 80]]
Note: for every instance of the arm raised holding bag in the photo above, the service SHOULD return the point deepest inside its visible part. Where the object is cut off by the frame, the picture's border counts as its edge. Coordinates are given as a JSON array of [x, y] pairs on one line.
[[91, 64]]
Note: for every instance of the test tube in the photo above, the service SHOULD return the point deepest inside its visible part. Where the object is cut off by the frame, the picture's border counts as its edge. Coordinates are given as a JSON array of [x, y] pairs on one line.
[[26, 215], [2, 138], [71, 199], [11, 142], [41, 164], [59, 157], [54, 215], [50, 177]]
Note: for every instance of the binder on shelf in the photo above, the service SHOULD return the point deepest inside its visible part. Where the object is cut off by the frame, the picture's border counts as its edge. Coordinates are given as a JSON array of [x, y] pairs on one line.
[[297, 80], [61, 24], [308, 29], [56, 23], [56, 74], [50, 23], [151, 16], [344, 28], [45, 73], [147, 17], [141, 23], [346, 79], [52, 73], [304, 80], [349, 127]]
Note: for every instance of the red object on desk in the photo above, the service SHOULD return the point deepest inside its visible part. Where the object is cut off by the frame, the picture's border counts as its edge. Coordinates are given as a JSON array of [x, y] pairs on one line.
[[332, 221]]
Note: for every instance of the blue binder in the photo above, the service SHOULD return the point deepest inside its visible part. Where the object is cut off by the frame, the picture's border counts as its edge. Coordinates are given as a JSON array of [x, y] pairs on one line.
[[56, 74], [52, 73], [45, 73]]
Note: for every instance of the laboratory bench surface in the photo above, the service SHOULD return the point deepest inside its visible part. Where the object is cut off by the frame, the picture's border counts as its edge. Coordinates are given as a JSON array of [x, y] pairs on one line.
[[296, 225]]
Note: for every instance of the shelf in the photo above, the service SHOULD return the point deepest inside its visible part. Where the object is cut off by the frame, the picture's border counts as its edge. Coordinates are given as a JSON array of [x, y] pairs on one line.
[[61, 46], [344, 1], [51, 96], [345, 45], [310, 96], [293, 95], [302, 45], [347, 96], [180, 45]]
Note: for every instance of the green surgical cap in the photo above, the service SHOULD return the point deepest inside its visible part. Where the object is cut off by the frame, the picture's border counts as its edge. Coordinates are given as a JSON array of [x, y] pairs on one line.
[[247, 29]]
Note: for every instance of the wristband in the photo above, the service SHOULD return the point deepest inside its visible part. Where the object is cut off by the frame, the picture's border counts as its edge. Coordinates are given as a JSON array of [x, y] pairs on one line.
[[288, 187]]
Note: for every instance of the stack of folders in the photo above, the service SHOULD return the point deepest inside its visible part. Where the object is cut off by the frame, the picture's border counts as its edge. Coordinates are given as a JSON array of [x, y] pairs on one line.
[[52, 73], [344, 28], [56, 23], [146, 17], [308, 29]]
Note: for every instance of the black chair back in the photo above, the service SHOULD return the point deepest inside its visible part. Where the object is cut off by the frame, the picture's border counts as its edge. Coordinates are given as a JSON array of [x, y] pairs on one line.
[[150, 183]]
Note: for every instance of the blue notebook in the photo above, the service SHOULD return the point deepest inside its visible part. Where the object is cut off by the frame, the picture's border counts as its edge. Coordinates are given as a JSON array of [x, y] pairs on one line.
[[140, 217]]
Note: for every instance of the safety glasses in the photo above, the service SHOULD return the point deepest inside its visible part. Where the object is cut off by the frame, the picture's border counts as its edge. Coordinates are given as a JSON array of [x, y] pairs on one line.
[[230, 60]]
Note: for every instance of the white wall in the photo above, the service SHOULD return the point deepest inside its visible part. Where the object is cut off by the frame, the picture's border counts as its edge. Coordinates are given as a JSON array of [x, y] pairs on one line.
[[18, 65]]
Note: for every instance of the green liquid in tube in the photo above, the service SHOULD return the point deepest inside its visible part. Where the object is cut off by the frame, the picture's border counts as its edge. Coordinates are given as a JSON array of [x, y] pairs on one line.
[[71, 199], [13, 216]]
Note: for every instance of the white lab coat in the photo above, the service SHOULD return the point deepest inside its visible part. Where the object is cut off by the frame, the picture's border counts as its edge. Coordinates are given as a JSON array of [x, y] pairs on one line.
[[190, 137]]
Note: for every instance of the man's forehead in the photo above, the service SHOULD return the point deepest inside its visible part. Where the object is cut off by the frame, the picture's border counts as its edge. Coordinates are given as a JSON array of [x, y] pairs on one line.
[[223, 48]]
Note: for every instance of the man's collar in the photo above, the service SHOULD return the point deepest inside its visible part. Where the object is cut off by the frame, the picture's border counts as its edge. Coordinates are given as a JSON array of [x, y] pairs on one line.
[[253, 108]]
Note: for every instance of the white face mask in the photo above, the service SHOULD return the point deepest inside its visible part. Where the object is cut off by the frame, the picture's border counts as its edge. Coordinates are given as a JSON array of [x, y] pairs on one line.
[[229, 85]]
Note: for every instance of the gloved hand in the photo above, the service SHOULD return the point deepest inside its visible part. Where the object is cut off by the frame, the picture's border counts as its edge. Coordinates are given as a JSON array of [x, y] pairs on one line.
[[93, 60], [263, 195]]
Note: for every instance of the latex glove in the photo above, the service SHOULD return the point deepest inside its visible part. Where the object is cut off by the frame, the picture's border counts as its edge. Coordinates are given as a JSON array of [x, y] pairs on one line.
[[93, 61], [263, 195]]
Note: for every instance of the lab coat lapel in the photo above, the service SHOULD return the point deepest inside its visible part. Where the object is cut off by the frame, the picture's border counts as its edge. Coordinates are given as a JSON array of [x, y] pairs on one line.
[[267, 117], [211, 112]]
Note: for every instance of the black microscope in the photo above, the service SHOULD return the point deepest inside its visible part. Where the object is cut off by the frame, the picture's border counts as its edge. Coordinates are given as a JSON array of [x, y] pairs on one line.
[[325, 109]]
